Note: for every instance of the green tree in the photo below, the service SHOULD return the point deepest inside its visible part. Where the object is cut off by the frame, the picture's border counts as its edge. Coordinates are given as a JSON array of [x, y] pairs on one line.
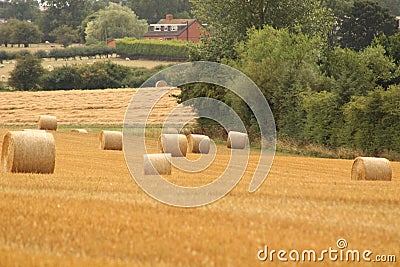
[[394, 47], [63, 12], [229, 20], [5, 32], [154, 10], [284, 66], [26, 74], [115, 21], [65, 35], [372, 121], [23, 32], [366, 21], [20, 9]]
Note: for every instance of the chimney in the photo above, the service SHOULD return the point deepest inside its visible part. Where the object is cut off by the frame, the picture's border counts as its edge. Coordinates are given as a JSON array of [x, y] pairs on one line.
[[169, 17]]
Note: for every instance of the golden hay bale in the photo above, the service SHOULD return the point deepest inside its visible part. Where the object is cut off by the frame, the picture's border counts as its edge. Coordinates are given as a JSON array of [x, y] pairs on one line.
[[154, 164], [372, 169], [161, 83], [47, 122], [198, 143], [110, 140], [28, 152], [81, 131], [236, 140], [174, 144]]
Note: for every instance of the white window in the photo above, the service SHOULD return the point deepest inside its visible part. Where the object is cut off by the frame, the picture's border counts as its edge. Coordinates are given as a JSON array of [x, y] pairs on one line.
[[157, 28], [174, 28]]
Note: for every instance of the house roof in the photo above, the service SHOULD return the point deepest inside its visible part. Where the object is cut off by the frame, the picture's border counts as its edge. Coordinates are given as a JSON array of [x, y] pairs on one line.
[[176, 21]]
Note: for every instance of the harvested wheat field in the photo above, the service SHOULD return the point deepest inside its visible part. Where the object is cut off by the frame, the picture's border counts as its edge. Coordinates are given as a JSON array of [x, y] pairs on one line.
[[90, 212]]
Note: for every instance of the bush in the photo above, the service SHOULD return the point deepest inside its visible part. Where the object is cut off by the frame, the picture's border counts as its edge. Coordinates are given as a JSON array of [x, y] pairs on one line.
[[99, 75], [27, 73], [62, 78]]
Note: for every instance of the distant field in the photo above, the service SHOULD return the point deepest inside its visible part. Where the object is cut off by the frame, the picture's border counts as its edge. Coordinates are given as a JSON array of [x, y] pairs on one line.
[[90, 212], [51, 63]]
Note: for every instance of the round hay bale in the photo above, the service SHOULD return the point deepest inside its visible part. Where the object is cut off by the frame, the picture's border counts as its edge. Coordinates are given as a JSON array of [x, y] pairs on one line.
[[154, 164], [47, 122], [81, 131], [28, 152], [198, 143], [110, 140], [371, 169], [161, 83], [174, 144], [236, 140]]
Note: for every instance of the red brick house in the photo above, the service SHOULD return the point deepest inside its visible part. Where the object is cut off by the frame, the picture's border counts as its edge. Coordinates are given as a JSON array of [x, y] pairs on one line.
[[176, 29]]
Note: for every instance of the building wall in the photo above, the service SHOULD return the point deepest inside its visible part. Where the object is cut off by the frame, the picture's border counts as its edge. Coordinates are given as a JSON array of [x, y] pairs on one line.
[[195, 32]]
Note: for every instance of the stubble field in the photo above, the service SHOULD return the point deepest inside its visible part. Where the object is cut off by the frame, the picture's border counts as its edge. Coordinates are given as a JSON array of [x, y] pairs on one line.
[[90, 212]]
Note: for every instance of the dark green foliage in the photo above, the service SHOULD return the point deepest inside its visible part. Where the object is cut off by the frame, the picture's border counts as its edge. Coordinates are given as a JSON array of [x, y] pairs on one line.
[[365, 21], [63, 78], [26, 74], [152, 49], [99, 75]]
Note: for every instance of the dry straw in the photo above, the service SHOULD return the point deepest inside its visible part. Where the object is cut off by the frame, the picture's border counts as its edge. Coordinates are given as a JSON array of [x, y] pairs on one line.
[[174, 144], [81, 131], [236, 140], [154, 164], [110, 140], [373, 169], [28, 152], [198, 143], [161, 83], [47, 122]]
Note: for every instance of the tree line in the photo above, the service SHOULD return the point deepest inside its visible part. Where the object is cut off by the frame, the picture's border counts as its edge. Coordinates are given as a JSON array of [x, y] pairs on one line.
[[85, 21]]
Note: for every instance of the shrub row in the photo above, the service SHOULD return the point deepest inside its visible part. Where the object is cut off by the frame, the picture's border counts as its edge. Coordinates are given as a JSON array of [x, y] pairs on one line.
[[99, 75], [152, 49], [70, 52]]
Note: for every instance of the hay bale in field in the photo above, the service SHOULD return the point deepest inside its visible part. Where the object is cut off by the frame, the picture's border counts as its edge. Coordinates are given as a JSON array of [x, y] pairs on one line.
[[161, 83], [154, 164], [174, 144], [81, 131], [28, 152], [372, 169], [47, 122], [236, 140], [198, 143], [110, 140]]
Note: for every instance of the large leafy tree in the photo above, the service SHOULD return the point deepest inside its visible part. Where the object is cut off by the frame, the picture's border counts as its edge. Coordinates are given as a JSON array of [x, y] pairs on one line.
[[115, 21], [65, 35], [154, 10], [23, 32], [20, 9], [229, 20], [27, 73], [365, 21], [63, 12]]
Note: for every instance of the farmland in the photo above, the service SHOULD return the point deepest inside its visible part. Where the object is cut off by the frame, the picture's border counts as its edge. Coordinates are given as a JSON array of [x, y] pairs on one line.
[[91, 212]]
